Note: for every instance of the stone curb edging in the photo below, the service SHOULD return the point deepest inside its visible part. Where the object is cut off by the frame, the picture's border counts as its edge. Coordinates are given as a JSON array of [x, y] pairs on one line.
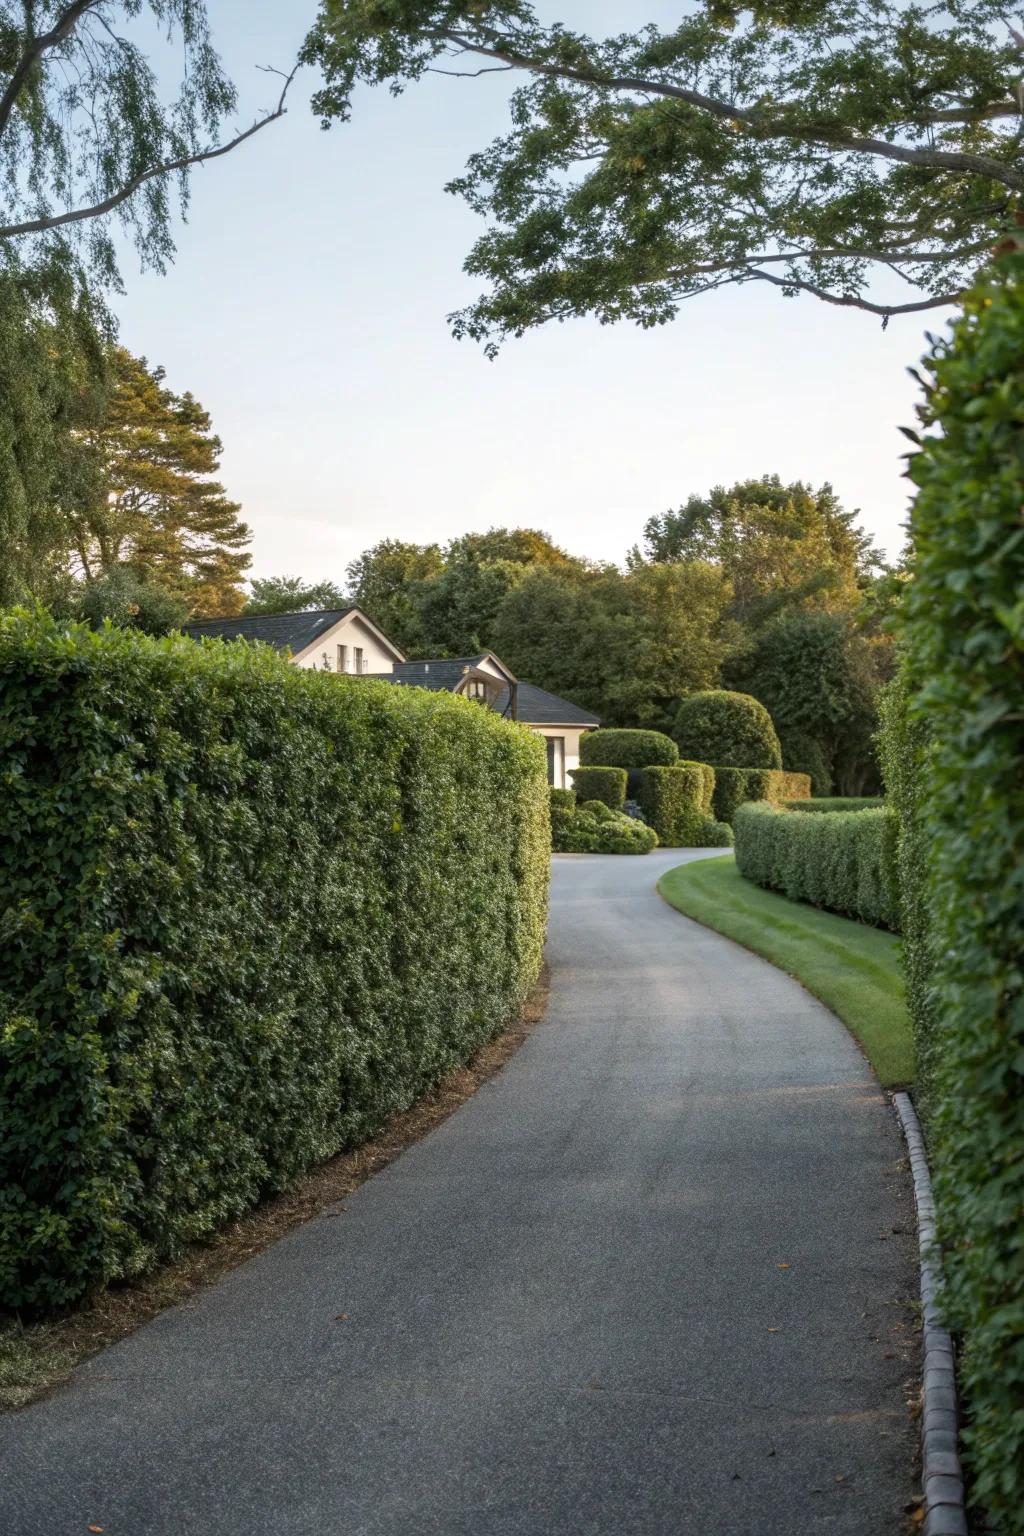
[[944, 1511]]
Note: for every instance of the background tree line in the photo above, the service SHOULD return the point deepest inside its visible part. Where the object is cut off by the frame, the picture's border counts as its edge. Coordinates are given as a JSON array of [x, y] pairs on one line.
[[768, 588]]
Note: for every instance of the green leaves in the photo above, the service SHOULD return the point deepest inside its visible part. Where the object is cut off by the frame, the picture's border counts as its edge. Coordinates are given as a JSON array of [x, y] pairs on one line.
[[954, 744], [728, 729], [838, 861], [813, 145], [250, 912]]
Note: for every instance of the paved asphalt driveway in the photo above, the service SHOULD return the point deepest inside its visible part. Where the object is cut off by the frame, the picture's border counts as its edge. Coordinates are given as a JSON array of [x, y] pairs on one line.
[[649, 1281]]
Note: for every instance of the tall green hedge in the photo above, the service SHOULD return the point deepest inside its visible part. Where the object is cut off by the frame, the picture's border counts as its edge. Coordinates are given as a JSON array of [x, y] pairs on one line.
[[731, 729], [248, 912], [735, 786], [965, 642], [676, 802], [839, 862], [607, 784]]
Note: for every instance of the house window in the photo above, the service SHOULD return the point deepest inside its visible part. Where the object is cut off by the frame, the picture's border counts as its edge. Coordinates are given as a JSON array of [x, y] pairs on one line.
[[342, 658], [556, 761], [360, 664], [477, 689]]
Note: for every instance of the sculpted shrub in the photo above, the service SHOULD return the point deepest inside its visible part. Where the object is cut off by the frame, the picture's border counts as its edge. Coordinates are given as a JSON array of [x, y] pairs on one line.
[[728, 730], [607, 784]]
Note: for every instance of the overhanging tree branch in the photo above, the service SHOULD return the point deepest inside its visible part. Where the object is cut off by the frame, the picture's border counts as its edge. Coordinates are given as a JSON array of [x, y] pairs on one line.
[[759, 123], [854, 301], [165, 168], [34, 52]]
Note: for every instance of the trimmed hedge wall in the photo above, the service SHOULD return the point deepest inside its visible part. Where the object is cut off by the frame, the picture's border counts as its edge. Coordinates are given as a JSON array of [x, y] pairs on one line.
[[735, 786], [615, 748], [607, 784], [676, 802], [733, 729], [836, 803], [840, 862], [251, 912], [964, 636]]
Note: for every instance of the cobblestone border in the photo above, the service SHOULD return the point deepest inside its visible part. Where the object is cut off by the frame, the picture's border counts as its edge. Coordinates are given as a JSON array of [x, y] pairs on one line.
[[944, 1513]]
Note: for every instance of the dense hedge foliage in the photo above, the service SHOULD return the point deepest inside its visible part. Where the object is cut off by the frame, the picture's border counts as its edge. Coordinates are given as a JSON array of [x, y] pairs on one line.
[[593, 827], [965, 644], [633, 750], [903, 746], [731, 729], [607, 784], [677, 803], [249, 912], [836, 803], [839, 862], [735, 786], [628, 749]]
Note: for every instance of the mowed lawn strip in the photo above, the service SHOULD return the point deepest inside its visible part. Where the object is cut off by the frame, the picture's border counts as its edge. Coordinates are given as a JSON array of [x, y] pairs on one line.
[[853, 969]]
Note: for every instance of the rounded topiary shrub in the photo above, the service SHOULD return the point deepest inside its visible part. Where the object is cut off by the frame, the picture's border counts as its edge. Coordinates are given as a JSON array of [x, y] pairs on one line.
[[729, 730]]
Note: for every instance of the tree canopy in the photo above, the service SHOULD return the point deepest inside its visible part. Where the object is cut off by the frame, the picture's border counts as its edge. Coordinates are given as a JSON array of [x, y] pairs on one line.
[[778, 544], [91, 126], [807, 144], [156, 508], [290, 594]]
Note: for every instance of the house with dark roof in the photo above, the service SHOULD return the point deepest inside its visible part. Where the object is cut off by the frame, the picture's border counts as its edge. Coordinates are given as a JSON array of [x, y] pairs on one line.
[[348, 642], [331, 640]]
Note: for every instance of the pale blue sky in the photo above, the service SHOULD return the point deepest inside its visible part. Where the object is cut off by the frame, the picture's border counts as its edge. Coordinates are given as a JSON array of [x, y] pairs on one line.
[[306, 310]]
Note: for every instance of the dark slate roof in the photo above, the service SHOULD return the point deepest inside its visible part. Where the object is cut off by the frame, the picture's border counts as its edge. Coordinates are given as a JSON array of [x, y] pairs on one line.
[[538, 707], [445, 674], [535, 706], [284, 631]]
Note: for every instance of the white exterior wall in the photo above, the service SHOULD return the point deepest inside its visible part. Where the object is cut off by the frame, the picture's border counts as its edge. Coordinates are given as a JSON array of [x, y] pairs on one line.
[[350, 632], [570, 734]]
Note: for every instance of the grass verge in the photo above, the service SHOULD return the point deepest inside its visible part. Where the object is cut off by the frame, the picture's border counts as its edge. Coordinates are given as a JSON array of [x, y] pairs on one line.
[[37, 1357], [853, 969]]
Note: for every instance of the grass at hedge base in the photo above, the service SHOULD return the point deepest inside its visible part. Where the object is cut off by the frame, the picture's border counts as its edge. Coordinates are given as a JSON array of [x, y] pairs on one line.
[[851, 968]]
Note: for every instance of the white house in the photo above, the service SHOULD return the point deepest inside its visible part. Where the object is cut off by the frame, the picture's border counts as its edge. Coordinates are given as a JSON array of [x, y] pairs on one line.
[[345, 640]]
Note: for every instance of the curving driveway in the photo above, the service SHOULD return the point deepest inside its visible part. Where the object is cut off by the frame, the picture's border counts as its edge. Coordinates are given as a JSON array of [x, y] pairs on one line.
[[650, 1281]]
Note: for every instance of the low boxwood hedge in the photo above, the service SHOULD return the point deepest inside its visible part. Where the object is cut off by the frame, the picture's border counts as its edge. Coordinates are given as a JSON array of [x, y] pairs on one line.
[[736, 786], [839, 862], [249, 912], [677, 804], [836, 803], [607, 784]]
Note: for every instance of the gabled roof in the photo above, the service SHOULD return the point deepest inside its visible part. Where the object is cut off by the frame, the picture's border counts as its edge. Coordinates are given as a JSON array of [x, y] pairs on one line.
[[294, 632], [446, 672], [535, 706]]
